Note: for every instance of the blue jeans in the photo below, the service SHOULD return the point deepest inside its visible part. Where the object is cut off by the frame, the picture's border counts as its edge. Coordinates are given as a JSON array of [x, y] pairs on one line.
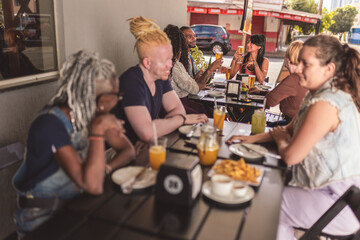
[[58, 185]]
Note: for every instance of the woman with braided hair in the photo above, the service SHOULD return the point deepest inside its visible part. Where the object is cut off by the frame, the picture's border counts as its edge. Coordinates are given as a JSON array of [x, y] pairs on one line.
[[321, 144], [180, 79], [146, 87], [65, 146]]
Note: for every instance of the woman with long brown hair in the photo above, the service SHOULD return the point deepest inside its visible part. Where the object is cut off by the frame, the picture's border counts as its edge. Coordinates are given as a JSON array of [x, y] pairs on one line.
[[321, 144]]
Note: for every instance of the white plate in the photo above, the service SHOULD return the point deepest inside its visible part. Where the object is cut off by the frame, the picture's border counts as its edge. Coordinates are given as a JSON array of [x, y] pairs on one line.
[[240, 150], [231, 199], [263, 87], [215, 94], [219, 80], [256, 97], [148, 179], [187, 128], [259, 178]]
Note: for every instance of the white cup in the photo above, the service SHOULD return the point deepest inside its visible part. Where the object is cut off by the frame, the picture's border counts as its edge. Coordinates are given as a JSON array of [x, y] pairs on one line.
[[221, 185], [240, 189]]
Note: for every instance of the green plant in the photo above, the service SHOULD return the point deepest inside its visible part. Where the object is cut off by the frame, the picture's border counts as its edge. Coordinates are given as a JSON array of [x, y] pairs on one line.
[[199, 58]]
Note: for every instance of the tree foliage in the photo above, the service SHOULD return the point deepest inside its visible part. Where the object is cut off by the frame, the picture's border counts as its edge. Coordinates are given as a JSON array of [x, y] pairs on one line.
[[343, 19], [303, 5], [326, 19]]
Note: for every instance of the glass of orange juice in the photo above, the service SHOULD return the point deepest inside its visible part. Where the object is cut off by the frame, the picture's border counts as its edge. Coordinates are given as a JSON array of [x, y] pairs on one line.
[[208, 146], [219, 117], [157, 153]]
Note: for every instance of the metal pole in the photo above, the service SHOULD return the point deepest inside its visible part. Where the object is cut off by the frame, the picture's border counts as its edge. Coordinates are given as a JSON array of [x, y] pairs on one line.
[[317, 27]]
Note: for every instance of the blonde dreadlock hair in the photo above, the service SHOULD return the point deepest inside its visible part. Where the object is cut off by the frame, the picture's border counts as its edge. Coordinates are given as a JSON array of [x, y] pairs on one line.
[[82, 76], [147, 33]]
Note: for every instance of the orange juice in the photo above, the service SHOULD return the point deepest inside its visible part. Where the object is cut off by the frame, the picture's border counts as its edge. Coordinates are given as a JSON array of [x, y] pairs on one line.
[[251, 81], [219, 117], [218, 55], [157, 155], [209, 156]]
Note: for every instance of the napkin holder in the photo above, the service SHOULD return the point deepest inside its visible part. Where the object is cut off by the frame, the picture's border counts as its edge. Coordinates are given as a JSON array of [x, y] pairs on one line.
[[179, 181], [243, 77], [233, 88]]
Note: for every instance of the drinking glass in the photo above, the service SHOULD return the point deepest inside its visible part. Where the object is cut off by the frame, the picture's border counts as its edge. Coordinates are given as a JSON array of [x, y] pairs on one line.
[[227, 71], [218, 55], [219, 117], [258, 122], [157, 153], [241, 52], [251, 81]]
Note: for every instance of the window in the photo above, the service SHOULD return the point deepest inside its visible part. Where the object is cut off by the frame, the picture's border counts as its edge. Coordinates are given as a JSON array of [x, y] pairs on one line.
[[27, 39]]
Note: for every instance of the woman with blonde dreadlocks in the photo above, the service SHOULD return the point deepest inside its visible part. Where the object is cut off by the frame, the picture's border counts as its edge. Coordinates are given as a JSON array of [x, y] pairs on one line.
[[65, 147], [146, 87]]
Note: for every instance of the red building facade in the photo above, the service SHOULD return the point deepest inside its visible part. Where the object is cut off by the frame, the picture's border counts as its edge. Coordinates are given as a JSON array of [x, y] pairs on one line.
[[269, 18]]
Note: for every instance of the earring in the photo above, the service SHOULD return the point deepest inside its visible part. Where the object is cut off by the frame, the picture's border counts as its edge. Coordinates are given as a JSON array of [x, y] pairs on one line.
[[102, 108]]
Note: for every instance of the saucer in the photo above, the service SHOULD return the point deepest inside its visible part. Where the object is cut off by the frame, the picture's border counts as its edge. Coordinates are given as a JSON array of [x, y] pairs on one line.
[[148, 179], [231, 199]]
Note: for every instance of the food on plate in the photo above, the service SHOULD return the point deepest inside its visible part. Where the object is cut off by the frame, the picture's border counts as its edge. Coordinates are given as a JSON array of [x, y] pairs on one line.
[[238, 170]]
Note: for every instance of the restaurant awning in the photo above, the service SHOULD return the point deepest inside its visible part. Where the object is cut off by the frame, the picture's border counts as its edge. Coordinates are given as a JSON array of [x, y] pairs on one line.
[[232, 9]]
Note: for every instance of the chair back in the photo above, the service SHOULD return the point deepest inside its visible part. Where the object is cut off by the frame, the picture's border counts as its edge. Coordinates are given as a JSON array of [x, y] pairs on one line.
[[351, 197]]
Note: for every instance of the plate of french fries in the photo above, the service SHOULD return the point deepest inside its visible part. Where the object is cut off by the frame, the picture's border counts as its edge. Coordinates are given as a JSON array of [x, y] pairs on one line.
[[239, 171]]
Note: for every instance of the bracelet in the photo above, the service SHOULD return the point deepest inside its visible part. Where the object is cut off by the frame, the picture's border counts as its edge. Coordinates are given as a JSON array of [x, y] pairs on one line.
[[108, 169], [96, 137], [183, 117]]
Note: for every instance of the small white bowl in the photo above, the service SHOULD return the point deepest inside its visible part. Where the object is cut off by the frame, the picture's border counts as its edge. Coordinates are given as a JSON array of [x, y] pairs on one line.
[[239, 189], [221, 185]]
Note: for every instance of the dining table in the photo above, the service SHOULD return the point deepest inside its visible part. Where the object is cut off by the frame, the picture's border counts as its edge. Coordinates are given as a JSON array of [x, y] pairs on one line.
[[140, 216], [238, 110]]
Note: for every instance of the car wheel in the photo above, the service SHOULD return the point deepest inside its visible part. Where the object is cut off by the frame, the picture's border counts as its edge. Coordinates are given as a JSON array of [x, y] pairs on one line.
[[217, 48]]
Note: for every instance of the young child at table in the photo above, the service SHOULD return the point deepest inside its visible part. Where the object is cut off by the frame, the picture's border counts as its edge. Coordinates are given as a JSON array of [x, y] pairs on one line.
[[65, 148], [321, 144]]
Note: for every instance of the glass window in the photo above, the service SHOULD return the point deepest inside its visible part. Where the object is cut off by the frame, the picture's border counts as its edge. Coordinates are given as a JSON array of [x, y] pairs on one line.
[[27, 38], [209, 29]]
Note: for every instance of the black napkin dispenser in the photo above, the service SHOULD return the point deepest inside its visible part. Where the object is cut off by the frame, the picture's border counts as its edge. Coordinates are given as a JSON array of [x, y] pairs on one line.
[[179, 181]]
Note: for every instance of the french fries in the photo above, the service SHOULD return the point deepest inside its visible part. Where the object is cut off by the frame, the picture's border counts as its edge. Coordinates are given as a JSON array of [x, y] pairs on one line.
[[238, 170]]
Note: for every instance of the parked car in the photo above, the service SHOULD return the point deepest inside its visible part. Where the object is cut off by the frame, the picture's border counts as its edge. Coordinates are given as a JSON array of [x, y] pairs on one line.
[[212, 37]]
